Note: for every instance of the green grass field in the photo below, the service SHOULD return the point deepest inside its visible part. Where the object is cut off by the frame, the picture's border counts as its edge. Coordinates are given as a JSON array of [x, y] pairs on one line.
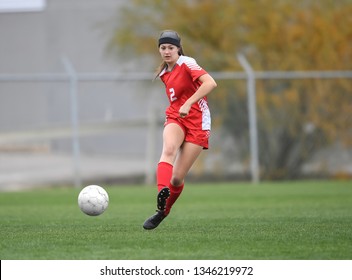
[[274, 221]]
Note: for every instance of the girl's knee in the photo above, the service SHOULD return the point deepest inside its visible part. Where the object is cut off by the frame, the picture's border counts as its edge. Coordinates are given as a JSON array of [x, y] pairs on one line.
[[176, 181], [169, 151]]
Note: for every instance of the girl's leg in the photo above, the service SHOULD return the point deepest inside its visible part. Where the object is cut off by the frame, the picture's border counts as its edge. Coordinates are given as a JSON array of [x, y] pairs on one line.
[[173, 137], [186, 157]]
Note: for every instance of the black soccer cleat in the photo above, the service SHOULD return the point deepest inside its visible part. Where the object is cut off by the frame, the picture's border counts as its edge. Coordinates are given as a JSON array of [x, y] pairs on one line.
[[162, 197], [154, 220], [160, 215]]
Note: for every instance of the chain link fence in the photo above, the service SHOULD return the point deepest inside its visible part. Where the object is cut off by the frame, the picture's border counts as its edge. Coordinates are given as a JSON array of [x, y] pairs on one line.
[[79, 128]]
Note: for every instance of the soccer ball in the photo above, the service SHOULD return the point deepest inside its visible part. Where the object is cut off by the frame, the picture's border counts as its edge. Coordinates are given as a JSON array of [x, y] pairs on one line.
[[93, 200]]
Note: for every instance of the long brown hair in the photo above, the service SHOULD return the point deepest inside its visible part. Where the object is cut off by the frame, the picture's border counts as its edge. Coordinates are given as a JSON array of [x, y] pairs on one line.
[[163, 64]]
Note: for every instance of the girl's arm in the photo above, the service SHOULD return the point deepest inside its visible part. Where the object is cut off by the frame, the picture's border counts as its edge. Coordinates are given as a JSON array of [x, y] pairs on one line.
[[208, 84]]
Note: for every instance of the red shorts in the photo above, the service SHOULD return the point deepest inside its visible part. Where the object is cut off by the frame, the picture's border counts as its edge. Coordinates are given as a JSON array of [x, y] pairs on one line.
[[195, 136]]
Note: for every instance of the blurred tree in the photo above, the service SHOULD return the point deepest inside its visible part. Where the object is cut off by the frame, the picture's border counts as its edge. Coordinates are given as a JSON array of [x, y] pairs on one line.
[[296, 117]]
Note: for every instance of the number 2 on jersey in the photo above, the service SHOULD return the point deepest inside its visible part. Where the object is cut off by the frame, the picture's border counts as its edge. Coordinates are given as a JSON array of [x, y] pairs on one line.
[[172, 95]]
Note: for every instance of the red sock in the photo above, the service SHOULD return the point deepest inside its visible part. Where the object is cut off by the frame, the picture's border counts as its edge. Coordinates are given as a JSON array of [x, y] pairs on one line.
[[174, 194], [163, 175]]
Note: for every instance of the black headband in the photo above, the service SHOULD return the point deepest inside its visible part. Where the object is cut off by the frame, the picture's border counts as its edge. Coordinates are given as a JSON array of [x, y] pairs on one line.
[[169, 37]]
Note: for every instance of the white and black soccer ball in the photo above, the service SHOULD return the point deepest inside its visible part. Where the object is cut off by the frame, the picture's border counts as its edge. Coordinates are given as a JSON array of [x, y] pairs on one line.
[[93, 200]]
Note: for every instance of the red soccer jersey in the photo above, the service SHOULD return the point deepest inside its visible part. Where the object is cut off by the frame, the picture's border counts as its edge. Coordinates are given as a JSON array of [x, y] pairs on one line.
[[181, 83]]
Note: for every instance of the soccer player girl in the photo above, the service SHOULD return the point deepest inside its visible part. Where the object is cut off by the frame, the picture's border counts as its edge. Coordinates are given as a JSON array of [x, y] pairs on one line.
[[187, 125]]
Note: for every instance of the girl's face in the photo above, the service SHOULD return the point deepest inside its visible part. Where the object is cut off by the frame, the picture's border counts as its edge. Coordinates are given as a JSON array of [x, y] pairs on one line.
[[169, 53]]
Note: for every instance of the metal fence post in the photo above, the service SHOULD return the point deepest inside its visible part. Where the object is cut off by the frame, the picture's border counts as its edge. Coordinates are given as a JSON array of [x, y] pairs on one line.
[[252, 114], [74, 120]]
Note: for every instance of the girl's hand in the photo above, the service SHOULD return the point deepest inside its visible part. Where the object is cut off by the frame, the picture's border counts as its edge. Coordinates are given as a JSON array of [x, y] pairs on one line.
[[184, 110], [208, 84]]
